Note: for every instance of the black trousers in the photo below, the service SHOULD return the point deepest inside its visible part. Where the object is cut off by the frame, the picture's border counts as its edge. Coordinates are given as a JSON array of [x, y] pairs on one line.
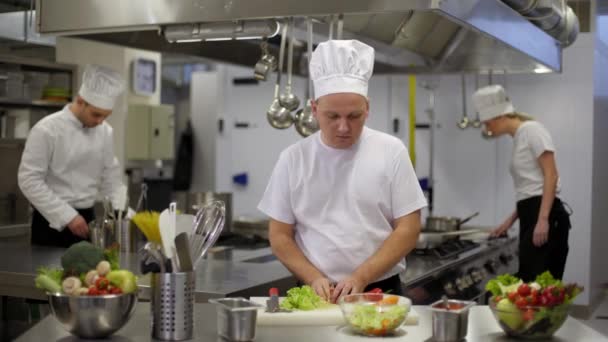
[[552, 255], [44, 235]]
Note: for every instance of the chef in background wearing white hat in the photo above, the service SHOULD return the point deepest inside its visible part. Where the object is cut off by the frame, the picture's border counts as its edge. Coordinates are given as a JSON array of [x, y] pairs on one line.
[[544, 223], [344, 203], [69, 160]]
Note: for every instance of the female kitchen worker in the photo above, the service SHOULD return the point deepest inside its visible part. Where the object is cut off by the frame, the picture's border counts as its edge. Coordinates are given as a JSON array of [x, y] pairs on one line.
[[345, 202], [69, 160], [543, 221]]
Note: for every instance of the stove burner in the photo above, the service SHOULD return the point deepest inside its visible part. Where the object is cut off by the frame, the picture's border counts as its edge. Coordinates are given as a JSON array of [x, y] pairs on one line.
[[448, 249], [242, 241]]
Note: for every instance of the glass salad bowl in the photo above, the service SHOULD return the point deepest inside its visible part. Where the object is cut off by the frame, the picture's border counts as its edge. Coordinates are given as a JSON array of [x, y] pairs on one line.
[[374, 314]]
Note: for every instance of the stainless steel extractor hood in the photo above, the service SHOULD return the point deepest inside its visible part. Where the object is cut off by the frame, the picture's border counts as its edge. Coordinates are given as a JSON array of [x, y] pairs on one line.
[[414, 36]]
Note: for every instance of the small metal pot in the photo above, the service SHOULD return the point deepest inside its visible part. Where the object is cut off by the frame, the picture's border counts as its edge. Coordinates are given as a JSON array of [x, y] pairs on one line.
[[445, 224], [236, 318]]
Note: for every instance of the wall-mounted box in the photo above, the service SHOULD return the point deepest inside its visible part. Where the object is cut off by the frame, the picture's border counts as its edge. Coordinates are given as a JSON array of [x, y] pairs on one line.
[[150, 132]]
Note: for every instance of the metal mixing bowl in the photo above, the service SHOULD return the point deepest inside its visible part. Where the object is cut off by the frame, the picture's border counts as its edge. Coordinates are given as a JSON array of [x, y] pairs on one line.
[[93, 316]]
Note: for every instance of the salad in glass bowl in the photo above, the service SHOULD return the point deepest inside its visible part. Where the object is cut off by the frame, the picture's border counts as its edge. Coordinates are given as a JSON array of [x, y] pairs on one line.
[[533, 310], [374, 314]]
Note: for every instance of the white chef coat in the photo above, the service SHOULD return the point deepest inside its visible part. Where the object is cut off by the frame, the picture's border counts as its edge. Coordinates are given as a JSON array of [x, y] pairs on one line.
[[66, 165], [530, 141], [343, 202]]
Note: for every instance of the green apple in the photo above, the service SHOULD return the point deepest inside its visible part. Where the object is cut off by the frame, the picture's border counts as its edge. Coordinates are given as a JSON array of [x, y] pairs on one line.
[[509, 314], [124, 279]]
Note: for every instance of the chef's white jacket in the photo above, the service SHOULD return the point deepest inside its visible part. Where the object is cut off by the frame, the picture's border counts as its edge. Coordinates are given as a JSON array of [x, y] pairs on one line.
[[66, 166]]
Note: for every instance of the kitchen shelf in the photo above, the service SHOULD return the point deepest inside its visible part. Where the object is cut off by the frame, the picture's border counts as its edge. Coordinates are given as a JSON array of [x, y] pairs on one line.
[[12, 103]]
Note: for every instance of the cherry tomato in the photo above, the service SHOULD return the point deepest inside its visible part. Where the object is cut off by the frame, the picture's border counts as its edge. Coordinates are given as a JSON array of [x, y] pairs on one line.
[[102, 283], [523, 290], [513, 296], [528, 315], [521, 302]]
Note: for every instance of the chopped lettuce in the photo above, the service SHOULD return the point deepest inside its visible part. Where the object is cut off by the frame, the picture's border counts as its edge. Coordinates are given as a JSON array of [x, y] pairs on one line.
[[503, 284], [301, 298], [546, 279], [368, 318]]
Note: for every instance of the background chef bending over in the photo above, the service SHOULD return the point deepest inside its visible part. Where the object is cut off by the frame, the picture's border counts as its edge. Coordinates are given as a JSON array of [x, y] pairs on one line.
[[69, 161], [345, 202]]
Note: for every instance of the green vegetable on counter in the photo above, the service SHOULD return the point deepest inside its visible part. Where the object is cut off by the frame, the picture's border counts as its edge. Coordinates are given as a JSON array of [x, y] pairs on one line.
[[503, 284], [49, 279], [302, 298], [81, 258]]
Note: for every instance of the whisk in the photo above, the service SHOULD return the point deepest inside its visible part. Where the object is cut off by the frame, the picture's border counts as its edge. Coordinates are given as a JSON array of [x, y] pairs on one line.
[[208, 224]]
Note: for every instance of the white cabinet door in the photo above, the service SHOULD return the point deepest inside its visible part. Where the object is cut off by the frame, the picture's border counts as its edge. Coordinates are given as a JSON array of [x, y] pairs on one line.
[[162, 132], [137, 137]]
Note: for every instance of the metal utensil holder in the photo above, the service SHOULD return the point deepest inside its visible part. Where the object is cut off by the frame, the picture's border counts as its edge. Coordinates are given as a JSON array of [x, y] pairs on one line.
[[173, 306], [128, 236]]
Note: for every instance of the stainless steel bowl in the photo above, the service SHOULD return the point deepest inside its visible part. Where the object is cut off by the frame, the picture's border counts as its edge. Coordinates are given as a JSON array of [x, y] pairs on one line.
[[93, 316]]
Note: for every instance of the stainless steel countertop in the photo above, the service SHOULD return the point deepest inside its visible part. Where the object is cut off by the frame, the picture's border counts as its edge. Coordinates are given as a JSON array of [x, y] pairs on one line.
[[482, 327], [228, 276], [214, 278]]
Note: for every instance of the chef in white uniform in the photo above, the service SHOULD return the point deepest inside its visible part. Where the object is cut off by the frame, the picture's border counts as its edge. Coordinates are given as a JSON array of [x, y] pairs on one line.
[[344, 203], [69, 161]]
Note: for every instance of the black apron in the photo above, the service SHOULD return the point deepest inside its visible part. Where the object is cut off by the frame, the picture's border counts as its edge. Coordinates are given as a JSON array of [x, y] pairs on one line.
[[552, 255], [44, 235]]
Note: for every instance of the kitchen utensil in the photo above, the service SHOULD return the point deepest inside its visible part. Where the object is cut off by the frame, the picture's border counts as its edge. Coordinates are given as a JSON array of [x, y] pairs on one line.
[[208, 224], [288, 99], [236, 318], [102, 233], [477, 122], [266, 64], [272, 304], [183, 223], [92, 316], [172, 305], [445, 224], [197, 200], [142, 201], [305, 122], [155, 251], [278, 116], [433, 239], [164, 225], [182, 247], [451, 320], [464, 121]]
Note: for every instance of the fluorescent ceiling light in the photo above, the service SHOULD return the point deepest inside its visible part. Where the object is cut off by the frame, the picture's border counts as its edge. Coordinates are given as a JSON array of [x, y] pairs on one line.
[[541, 69], [251, 29]]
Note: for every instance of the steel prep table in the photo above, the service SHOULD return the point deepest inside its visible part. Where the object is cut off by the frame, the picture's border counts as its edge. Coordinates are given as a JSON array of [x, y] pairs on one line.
[[482, 328]]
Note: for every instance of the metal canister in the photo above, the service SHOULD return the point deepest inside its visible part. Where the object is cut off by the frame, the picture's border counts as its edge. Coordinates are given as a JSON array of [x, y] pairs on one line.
[[172, 306], [236, 318], [450, 324]]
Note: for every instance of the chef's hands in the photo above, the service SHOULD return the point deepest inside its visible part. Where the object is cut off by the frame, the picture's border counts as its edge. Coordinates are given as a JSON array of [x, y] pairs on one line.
[[348, 285], [500, 230], [541, 232], [79, 227], [322, 287]]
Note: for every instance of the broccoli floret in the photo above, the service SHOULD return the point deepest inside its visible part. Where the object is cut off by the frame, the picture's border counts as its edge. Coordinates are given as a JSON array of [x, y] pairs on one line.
[[81, 258]]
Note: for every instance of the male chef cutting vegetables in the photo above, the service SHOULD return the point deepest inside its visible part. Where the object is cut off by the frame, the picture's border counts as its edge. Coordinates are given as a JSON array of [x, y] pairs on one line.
[[69, 160], [344, 203]]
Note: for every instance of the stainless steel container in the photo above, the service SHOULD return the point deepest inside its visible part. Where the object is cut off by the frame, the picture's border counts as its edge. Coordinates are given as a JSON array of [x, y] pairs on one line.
[[189, 203], [129, 238], [172, 306], [236, 318], [102, 233], [450, 325]]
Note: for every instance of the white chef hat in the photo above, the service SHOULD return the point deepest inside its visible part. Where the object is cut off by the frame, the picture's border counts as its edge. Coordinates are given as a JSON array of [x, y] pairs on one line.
[[491, 102], [341, 66], [101, 86]]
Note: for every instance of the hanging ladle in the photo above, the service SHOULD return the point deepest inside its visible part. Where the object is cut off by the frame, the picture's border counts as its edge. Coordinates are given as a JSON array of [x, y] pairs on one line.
[[306, 124], [288, 99], [477, 121], [277, 115], [464, 121]]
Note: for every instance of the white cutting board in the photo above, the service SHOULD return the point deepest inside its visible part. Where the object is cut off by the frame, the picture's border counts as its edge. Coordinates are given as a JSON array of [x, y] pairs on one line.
[[331, 315]]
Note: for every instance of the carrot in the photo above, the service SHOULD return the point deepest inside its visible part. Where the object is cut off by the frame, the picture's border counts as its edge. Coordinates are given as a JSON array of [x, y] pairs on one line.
[[389, 300]]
